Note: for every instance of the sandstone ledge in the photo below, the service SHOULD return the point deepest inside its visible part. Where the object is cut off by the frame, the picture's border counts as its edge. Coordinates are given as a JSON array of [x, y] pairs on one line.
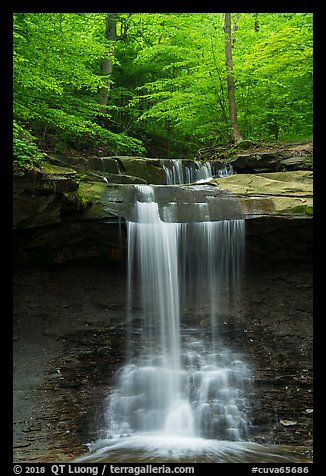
[[288, 194]]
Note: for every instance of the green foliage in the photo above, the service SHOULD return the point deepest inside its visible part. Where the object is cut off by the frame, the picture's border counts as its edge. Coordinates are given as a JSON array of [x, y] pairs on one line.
[[183, 87], [25, 151], [168, 88], [57, 76], [273, 71]]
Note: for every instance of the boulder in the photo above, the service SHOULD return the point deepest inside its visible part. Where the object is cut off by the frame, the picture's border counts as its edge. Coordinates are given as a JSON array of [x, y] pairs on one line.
[[295, 157], [297, 162], [104, 164], [254, 161], [150, 170]]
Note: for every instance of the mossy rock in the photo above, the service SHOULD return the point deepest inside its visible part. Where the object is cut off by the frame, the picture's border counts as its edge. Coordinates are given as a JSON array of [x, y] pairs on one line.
[[303, 209], [92, 192], [292, 207], [149, 170], [55, 170]]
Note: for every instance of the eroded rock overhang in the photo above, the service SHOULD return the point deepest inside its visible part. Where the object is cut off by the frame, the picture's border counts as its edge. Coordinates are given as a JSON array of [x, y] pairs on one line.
[[63, 213], [248, 196]]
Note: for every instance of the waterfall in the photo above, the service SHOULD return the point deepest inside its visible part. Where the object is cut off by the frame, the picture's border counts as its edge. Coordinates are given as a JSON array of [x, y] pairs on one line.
[[180, 381], [183, 172]]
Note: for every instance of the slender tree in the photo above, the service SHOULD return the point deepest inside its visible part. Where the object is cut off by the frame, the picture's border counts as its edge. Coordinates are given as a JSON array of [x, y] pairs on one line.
[[107, 62], [235, 133]]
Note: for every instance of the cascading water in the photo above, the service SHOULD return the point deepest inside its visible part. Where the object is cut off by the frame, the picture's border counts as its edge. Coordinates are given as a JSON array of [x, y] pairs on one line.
[[177, 384], [183, 172], [183, 395]]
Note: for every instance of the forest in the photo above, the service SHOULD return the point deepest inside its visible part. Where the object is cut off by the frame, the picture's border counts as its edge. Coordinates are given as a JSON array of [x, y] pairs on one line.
[[159, 84]]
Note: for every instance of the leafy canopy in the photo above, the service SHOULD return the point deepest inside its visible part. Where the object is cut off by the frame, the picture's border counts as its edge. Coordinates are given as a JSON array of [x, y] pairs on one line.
[[56, 70], [167, 91]]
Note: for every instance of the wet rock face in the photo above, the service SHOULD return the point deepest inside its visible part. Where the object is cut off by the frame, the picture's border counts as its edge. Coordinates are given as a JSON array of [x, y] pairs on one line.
[[39, 195], [70, 340], [277, 337], [284, 240], [71, 241]]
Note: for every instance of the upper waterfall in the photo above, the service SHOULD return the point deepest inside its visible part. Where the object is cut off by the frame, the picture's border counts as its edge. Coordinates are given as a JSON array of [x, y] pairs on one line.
[[183, 172]]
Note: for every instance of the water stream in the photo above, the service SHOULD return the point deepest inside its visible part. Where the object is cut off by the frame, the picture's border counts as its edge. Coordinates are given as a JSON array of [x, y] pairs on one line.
[[183, 172], [183, 395]]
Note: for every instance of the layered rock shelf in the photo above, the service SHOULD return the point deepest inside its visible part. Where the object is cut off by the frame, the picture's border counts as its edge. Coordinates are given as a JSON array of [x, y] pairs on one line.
[[63, 209], [279, 194]]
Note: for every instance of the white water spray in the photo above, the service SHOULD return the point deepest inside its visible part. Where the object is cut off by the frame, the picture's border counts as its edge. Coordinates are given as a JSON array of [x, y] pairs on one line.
[[185, 172], [178, 384]]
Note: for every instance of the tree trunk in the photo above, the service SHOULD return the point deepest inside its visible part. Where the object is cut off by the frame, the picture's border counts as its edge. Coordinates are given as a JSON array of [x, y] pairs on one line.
[[107, 63], [104, 92], [235, 133]]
